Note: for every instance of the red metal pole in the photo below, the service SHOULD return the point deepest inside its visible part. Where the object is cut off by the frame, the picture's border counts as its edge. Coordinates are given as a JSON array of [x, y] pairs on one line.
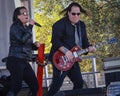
[[40, 68]]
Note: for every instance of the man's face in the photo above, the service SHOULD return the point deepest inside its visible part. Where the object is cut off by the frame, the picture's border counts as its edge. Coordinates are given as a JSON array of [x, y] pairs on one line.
[[74, 14]]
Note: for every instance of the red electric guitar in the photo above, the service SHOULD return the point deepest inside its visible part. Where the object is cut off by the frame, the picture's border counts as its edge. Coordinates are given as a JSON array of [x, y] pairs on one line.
[[61, 62]]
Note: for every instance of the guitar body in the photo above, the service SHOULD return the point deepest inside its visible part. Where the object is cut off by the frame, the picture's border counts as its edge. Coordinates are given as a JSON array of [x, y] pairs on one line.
[[61, 62]]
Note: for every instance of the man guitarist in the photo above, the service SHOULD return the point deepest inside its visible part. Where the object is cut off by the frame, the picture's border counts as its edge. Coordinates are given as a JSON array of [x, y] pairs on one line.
[[68, 32]]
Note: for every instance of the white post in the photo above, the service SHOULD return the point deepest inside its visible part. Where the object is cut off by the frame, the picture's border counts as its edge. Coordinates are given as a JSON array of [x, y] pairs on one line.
[[31, 11], [94, 70], [46, 76]]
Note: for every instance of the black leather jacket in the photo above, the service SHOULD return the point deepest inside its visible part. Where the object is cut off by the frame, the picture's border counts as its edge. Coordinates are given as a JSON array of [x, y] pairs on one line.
[[21, 42]]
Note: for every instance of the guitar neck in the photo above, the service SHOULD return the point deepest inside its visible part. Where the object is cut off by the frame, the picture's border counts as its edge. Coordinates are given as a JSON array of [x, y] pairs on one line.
[[100, 44], [87, 50]]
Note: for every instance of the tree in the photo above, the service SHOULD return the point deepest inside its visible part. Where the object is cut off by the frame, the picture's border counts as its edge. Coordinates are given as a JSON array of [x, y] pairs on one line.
[[102, 23]]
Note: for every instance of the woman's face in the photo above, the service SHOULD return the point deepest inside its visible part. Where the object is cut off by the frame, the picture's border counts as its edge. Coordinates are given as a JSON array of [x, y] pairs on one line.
[[23, 17], [74, 14]]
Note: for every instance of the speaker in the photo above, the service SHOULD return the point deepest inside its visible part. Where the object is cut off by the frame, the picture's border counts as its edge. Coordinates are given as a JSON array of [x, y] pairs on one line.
[[4, 85], [112, 69], [82, 92], [24, 92], [112, 77]]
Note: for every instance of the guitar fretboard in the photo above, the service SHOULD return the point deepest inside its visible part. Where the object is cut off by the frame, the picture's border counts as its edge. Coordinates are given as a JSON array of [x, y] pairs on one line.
[[86, 50]]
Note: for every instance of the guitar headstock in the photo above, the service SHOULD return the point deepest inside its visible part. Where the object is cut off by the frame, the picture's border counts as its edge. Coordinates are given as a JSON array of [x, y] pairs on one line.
[[112, 40]]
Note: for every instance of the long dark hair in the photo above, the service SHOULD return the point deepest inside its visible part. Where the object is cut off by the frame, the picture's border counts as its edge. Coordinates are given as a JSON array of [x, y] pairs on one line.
[[16, 13], [68, 9]]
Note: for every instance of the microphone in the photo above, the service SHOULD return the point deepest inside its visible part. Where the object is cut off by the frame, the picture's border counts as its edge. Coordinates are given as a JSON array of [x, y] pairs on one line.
[[37, 24]]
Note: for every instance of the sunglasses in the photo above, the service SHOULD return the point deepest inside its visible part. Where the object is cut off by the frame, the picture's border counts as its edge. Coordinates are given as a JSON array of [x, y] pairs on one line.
[[24, 13], [75, 14]]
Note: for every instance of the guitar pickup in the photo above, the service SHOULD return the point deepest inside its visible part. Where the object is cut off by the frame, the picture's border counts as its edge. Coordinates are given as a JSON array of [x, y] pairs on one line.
[[75, 54]]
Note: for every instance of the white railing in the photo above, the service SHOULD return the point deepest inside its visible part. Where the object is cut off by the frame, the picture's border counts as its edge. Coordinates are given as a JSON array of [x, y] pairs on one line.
[[93, 79]]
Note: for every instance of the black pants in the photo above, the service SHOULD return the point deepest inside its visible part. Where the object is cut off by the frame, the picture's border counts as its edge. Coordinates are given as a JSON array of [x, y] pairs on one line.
[[74, 74], [20, 70]]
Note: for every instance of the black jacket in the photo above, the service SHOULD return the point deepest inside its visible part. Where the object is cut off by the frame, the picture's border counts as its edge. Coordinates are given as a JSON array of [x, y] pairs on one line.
[[63, 34], [21, 42]]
